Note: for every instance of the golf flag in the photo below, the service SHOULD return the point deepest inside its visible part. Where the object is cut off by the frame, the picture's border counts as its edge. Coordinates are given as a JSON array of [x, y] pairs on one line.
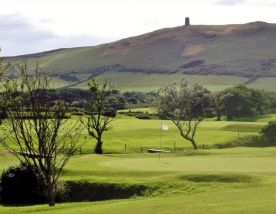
[[164, 127]]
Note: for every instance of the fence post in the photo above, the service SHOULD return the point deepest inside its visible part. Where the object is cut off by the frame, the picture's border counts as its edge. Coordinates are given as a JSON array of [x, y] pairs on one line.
[[125, 147], [141, 149]]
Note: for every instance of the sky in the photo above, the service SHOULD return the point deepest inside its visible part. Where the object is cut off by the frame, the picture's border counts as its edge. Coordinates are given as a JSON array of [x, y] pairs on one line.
[[30, 26]]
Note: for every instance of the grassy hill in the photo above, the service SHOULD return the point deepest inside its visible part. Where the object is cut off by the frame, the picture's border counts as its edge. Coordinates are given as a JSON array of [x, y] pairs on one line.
[[239, 54]]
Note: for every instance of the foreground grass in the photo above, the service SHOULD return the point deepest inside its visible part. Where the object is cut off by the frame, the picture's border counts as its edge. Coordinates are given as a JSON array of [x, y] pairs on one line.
[[238, 180], [238, 201]]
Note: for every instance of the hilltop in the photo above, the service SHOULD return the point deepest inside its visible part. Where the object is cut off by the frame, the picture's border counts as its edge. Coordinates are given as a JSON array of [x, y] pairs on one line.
[[238, 54]]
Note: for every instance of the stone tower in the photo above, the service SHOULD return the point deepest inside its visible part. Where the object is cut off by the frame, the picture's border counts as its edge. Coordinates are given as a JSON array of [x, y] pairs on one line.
[[187, 21]]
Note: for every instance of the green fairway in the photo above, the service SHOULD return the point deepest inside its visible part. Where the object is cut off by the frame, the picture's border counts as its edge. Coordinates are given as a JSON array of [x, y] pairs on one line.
[[234, 180], [135, 133], [240, 180]]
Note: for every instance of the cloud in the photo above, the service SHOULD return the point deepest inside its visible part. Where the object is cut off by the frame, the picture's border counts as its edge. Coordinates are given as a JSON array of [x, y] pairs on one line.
[[17, 29], [18, 36], [229, 2]]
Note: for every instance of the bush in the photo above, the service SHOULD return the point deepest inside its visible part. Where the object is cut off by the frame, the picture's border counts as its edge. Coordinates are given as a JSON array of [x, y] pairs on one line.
[[84, 191], [22, 185], [77, 113], [143, 116], [269, 131], [248, 141]]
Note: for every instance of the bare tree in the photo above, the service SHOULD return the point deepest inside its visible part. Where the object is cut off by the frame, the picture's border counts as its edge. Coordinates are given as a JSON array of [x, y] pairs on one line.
[[4, 67], [185, 105], [100, 112], [39, 132]]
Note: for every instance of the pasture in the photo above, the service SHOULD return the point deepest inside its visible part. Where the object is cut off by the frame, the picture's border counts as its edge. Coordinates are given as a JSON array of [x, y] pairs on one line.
[[232, 180], [129, 81]]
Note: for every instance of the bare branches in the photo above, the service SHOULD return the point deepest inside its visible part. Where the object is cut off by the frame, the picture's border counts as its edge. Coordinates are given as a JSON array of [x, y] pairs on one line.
[[39, 131], [100, 113]]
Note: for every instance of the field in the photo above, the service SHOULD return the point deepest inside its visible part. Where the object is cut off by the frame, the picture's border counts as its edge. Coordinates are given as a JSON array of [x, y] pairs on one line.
[[233, 180], [127, 81]]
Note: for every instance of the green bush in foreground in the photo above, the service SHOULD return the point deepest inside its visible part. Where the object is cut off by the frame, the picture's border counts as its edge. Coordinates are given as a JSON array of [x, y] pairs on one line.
[[22, 185], [85, 191]]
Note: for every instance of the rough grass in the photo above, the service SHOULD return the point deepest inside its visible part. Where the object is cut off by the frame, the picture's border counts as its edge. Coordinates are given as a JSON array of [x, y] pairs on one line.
[[265, 83], [128, 81], [224, 178], [244, 127]]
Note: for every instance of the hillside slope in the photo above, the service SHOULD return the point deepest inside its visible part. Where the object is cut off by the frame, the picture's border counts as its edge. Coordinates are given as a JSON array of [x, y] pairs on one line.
[[246, 50]]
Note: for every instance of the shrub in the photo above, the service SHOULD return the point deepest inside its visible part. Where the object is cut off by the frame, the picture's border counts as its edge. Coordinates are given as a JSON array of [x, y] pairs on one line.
[[143, 117], [247, 141], [22, 185], [269, 131], [84, 191], [77, 113]]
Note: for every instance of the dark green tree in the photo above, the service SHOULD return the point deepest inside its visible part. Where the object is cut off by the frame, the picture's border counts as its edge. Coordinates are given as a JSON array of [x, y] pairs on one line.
[[240, 101], [269, 131]]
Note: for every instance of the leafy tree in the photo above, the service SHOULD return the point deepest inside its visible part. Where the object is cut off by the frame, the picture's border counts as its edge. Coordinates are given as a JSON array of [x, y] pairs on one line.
[[240, 101], [186, 106], [218, 105], [100, 112], [38, 132]]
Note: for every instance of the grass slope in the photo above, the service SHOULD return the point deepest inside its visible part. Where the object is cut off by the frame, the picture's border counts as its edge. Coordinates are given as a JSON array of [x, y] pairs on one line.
[[231, 50]]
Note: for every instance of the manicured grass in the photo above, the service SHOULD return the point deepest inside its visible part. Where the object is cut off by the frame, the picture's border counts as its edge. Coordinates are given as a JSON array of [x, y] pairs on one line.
[[235, 180], [136, 133], [128, 134], [240, 180], [238, 201]]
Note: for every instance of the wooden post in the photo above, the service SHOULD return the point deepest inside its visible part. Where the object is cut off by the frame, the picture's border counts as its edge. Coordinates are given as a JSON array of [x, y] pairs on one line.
[[141, 149], [125, 147], [174, 146]]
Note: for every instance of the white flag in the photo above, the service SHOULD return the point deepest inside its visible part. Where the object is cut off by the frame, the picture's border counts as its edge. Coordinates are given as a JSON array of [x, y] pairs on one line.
[[164, 127]]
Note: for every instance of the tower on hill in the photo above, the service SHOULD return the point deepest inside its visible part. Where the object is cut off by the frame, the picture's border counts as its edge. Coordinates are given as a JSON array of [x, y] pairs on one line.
[[187, 21]]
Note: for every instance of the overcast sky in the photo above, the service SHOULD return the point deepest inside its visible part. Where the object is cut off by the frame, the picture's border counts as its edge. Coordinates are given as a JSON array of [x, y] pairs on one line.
[[28, 26]]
